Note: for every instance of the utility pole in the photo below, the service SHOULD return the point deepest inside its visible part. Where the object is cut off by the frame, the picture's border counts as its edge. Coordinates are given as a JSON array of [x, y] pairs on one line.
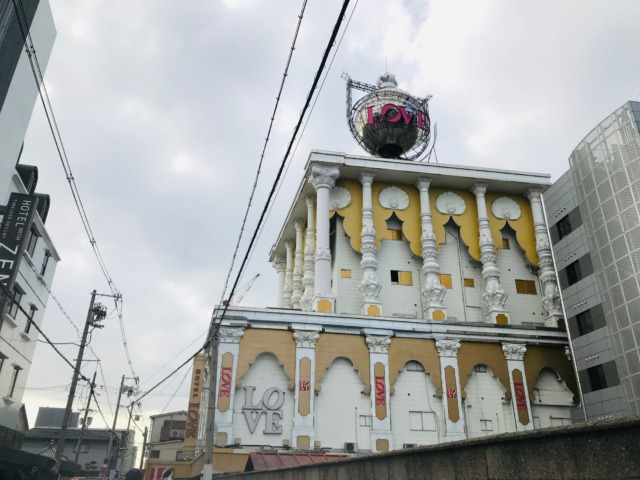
[[95, 315], [144, 446], [86, 414], [113, 429], [207, 469]]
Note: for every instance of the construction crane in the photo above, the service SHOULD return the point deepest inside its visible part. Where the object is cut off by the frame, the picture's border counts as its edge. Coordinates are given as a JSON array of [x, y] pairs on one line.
[[241, 293]]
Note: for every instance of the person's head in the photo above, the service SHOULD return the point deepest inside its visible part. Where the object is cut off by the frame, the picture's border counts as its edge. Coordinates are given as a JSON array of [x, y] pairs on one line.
[[133, 474]]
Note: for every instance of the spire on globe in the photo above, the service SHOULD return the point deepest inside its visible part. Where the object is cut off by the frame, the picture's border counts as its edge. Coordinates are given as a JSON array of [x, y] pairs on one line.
[[388, 122]]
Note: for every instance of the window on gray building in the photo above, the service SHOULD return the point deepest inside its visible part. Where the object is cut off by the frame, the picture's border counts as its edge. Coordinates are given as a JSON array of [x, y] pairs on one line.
[[566, 225], [587, 321], [599, 377], [576, 271]]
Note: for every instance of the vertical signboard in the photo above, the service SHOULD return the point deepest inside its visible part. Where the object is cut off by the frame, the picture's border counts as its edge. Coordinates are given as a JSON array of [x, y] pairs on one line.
[[193, 412], [226, 374], [380, 391], [520, 395], [14, 230], [452, 393], [304, 387]]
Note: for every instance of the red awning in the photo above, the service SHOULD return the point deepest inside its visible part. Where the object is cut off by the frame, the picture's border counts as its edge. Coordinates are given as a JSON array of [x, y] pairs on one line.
[[260, 461]]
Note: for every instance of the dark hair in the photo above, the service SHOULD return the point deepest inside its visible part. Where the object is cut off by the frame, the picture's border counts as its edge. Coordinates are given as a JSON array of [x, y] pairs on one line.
[[134, 474]]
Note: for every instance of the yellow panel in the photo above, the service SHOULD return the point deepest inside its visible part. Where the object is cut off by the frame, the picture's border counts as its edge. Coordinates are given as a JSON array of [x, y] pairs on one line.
[[438, 315], [382, 445], [505, 244], [468, 221], [405, 278], [410, 217], [195, 394], [452, 393], [353, 347], [554, 358], [393, 235], [489, 354], [373, 311], [527, 287], [520, 397], [523, 226], [304, 390], [469, 282], [421, 350], [502, 319], [344, 273], [325, 306], [303, 441], [380, 391], [224, 382], [258, 340], [352, 214], [445, 280]]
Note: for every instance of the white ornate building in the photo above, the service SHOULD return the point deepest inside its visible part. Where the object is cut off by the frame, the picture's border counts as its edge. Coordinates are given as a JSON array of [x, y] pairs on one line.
[[417, 304]]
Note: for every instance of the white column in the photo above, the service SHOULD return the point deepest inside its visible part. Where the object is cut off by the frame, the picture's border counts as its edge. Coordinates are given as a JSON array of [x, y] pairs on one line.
[[369, 285], [381, 437], [433, 292], [451, 402], [279, 263], [296, 294], [494, 295], [519, 389], [547, 274], [288, 276], [323, 178], [309, 255], [303, 433], [227, 365]]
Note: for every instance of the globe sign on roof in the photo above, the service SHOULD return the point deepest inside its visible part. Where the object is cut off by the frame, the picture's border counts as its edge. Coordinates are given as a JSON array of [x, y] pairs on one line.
[[388, 122]]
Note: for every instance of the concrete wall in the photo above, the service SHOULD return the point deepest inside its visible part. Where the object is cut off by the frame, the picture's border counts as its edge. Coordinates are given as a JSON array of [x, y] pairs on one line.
[[608, 449]]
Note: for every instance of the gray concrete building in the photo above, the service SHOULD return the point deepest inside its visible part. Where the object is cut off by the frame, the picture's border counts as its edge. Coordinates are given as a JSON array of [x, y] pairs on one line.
[[594, 221]]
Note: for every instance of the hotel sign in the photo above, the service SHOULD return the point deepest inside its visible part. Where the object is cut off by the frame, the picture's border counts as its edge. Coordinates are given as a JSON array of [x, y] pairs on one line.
[[270, 406]]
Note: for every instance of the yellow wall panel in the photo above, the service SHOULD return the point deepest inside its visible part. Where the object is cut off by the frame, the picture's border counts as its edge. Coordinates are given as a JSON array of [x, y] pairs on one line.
[[353, 347], [278, 342]]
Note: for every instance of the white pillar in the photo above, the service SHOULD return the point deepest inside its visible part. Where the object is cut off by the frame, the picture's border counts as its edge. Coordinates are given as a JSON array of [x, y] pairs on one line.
[[227, 365], [296, 294], [547, 274], [323, 178], [381, 437], [309, 255], [519, 389], [433, 292], [288, 276], [302, 433], [451, 402], [279, 263], [494, 295], [369, 285]]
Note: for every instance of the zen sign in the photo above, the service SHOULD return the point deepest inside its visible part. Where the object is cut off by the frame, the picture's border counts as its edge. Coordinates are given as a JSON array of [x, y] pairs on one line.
[[270, 406]]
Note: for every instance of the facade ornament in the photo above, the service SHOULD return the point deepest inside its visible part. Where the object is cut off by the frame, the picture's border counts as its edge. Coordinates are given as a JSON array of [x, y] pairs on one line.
[[297, 289], [378, 343], [450, 203], [506, 209], [494, 295], [567, 352], [513, 351], [448, 348], [288, 276], [323, 176], [432, 292], [393, 198], [230, 334], [306, 338], [306, 302], [339, 198], [550, 293], [369, 286]]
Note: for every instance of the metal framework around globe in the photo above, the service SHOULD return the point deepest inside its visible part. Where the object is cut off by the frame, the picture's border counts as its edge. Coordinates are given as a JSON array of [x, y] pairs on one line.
[[388, 122]]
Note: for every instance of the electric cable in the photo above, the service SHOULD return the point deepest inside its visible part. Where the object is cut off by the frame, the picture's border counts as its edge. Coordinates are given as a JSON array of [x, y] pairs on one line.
[[176, 391], [264, 149], [172, 359]]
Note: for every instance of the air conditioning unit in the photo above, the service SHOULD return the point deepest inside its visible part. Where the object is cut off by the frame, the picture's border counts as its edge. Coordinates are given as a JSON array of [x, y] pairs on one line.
[[177, 433], [350, 447], [409, 445]]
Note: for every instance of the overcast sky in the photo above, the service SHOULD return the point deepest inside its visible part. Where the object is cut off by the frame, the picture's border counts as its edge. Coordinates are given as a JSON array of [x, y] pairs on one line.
[[164, 106]]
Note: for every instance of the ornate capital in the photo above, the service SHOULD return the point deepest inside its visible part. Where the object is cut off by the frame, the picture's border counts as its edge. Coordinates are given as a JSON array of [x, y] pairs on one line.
[[305, 338], [448, 348], [378, 344], [299, 223], [288, 244], [479, 189], [533, 194], [366, 178], [279, 263], [310, 200], [323, 176], [423, 184], [230, 334], [513, 351]]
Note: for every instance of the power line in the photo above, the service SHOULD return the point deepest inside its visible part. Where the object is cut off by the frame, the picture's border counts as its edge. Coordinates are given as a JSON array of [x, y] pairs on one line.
[[264, 148], [62, 154], [176, 391]]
